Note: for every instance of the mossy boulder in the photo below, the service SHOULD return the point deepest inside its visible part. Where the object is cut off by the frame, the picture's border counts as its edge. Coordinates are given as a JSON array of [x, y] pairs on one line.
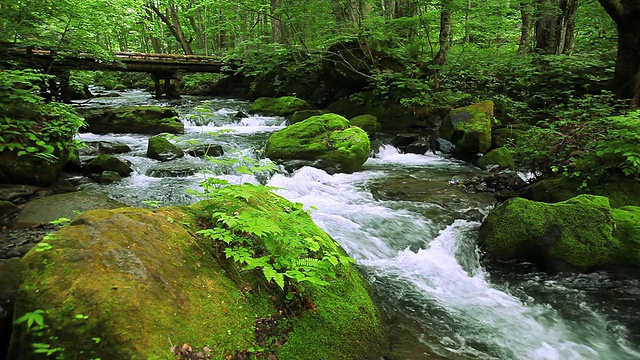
[[135, 119], [500, 157], [368, 123], [469, 128], [621, 190], [328, 137], [302, 115], [578, 234], [142, 279], [282, 106], [391, 115], [108, 163], [159, 148]]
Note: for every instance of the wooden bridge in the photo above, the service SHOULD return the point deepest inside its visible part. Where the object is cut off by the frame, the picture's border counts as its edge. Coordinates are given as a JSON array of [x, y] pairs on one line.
[[167, 68]]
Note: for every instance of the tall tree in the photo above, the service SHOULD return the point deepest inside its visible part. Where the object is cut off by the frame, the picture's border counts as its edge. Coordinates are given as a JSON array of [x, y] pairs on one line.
[[626, 15], [555, 25], [444, 39]]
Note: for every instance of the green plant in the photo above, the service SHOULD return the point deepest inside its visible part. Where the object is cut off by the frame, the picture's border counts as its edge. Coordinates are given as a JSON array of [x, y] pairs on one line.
[[35, 317], [251, 238]]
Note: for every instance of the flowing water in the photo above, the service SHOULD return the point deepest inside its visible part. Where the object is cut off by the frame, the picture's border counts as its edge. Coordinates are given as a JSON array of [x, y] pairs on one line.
[[414, 237]]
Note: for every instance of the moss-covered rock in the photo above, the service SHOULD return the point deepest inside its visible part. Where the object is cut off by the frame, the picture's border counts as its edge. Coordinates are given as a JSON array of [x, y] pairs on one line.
[[368, 123], [627, 233], [328, 137], [573, 235], [108, 163], [469, 127], [621, 190], [282, 106], [391, 115], [141, 277], [159, 148], [135, 119], [302, 115], [501, 157]]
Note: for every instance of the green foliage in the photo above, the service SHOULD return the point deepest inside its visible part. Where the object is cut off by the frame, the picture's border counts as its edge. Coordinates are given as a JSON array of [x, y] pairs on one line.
[[32, 318], [33, 128], [252, 238]]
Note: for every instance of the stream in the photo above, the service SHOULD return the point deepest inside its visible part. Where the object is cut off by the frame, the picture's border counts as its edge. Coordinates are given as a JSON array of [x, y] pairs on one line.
[[414, 238]]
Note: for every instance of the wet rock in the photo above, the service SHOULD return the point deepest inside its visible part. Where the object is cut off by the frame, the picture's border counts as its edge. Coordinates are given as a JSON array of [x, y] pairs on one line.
[[104, 147], [68, 205], [107, 177], [135, 119], [505, 184], [469, 128], [327, 137], [418, 147], [160, 148], [109, 163], [174, 168], [404, 140], [240, 115], [7, 212], [11, 193], [499, 159], [328, 166]]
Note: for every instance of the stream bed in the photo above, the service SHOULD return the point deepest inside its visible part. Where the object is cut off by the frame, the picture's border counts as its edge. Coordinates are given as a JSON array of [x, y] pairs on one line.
[[414, 238]]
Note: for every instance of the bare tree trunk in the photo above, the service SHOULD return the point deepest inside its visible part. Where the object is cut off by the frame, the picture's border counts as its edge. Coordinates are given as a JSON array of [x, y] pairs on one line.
[[277, 27], [174, 26], [565, 25], [445, 33], [555, 26]]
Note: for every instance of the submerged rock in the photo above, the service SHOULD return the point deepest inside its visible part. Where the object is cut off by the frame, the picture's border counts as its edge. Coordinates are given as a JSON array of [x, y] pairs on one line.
[[135, 119], [131, 277], [282, 106], [579, 234], [328, 137], [469, 128], [176, 168]]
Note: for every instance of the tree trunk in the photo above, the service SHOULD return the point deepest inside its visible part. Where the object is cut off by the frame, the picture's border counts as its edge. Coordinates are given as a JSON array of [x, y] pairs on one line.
[[277, 27], [526, 13], [626, 80], [555, 25], [545, 26], [565, 25], [174, 26], [445, 33]]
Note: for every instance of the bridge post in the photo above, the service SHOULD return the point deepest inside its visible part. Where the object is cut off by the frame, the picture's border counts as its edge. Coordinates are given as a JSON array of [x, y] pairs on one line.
[[171, 87]]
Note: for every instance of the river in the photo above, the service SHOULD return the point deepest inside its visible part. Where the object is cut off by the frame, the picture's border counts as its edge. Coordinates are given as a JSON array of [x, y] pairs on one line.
[[414, 238]]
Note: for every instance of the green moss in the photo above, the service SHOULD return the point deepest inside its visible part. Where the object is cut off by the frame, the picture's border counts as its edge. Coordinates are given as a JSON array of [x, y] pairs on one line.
[[627, 233], [576, 232], [109, 163], [135, 119], [162, 149], [302, 115], [469, 127], [368, 123], [282, 106], [329, 137], [500, 156], [144, 281], [503, 136]]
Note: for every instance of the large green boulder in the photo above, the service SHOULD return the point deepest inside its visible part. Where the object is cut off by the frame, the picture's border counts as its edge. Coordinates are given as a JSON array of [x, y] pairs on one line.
[[160, 148], [127, 283], [282, 106], [391, 115], [500, 157], [579, 234], [469, 128], [328, 137], [135, 119]]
